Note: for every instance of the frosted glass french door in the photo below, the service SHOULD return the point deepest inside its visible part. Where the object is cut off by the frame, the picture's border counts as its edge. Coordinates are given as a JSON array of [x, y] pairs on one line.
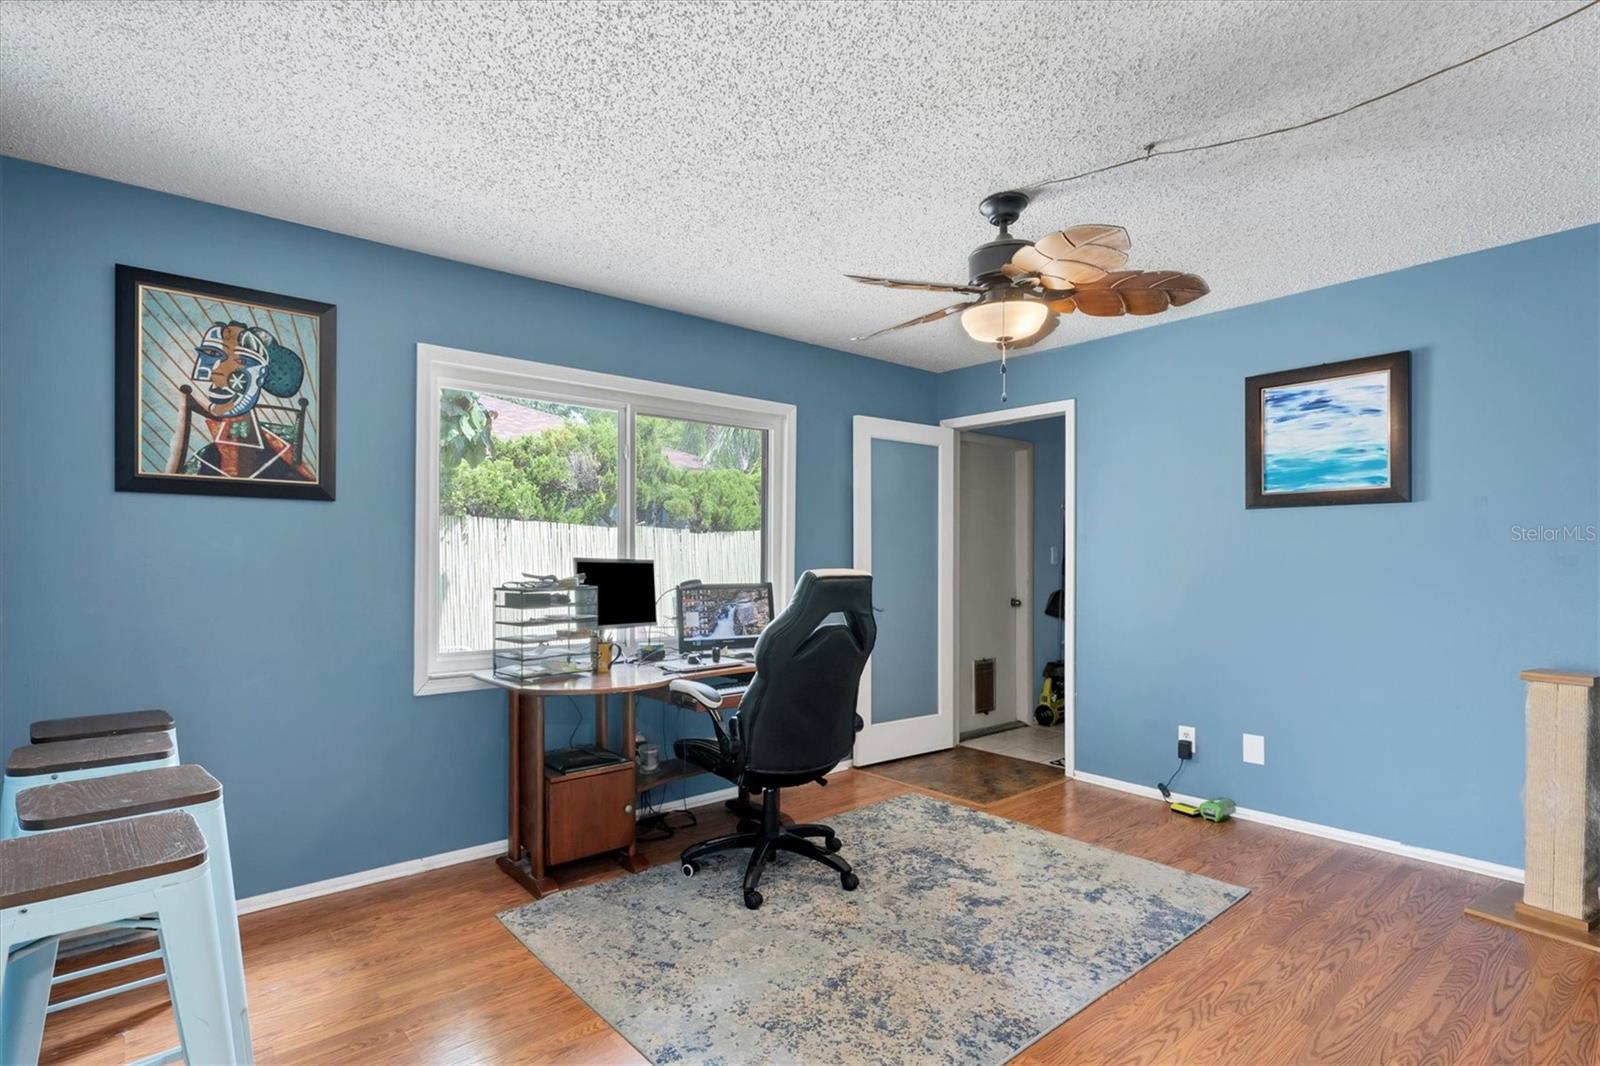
[[905, 537]]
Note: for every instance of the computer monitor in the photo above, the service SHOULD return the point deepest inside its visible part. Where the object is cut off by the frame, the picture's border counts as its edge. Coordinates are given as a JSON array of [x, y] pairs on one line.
[[626, 589], [722, 616]]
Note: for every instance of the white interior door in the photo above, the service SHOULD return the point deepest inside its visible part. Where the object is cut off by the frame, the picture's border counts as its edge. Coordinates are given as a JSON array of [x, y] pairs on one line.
[[905, 537]]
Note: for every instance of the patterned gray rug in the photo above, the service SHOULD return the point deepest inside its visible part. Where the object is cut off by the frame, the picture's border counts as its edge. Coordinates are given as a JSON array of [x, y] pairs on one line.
[[969, 938]]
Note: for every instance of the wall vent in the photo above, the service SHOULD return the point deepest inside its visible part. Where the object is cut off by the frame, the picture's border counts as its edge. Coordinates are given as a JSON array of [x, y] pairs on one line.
[[983, 686]]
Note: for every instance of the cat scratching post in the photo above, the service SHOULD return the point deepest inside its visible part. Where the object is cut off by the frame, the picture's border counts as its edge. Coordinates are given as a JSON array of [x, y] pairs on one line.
[[1561, 809]]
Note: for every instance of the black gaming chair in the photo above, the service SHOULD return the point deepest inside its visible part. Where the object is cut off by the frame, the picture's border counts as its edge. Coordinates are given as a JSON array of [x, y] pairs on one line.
[[796, 723]]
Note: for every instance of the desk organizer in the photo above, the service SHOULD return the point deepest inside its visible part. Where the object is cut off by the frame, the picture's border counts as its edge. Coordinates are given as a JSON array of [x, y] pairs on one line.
[[544, 627]]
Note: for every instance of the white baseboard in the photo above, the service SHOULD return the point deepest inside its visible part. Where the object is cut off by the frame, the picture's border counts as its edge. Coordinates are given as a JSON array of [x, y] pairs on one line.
[[361, 878], [411, 867], [1327, 832]]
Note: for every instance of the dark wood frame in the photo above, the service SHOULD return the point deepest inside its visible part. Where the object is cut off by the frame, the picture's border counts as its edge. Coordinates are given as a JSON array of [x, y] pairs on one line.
[[1398, 364], [128, 477]]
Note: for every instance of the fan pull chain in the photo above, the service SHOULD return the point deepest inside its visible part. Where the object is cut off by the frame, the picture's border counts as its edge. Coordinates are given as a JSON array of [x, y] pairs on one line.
[[1002, 347]]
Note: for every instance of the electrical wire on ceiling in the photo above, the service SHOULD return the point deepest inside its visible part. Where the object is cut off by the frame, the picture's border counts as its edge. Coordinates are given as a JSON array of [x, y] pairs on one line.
[[1152, 152]]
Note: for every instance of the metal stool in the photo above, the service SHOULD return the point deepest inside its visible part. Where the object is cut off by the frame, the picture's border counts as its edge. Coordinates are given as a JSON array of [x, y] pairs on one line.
[[89, 726], [75, 760], [56, 883], [189, 788]]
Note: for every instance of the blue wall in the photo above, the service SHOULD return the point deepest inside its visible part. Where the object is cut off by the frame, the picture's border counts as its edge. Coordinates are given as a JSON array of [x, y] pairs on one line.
[[279, 632], [1376, 647], [1049, 493]]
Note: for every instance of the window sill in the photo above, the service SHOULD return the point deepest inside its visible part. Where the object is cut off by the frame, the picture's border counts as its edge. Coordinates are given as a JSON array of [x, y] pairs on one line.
[[442, 683]]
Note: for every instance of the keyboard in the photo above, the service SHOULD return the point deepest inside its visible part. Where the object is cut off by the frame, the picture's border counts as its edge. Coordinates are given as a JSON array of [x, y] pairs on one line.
[[684, 666]]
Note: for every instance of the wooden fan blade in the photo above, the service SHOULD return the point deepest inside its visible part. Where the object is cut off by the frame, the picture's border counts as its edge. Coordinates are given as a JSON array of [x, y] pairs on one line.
[[923, 286], [1029, 259], [931, 316], [1140, 292], [1056, 245], [1186, 289], [1045, 330], [1102, 303], [1063, 274], [1064, 306], [1098, 256], [1016, 273]]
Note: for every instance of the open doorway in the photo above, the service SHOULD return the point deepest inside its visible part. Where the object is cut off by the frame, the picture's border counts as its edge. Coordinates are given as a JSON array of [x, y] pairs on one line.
[[1014, 489]]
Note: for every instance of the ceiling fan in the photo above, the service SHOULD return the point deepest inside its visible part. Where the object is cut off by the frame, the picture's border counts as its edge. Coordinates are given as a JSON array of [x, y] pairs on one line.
[[1020, 288]]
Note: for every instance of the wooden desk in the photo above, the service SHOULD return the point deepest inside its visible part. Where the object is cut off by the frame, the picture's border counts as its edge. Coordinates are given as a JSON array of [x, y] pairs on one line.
[[524, 860]]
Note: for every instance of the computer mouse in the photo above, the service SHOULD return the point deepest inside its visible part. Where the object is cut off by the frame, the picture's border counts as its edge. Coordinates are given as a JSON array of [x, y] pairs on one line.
[[693, 660]]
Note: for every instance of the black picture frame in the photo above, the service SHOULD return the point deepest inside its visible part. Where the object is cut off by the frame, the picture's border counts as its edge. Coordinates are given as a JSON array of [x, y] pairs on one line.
[[130, 283], [1398, 366]]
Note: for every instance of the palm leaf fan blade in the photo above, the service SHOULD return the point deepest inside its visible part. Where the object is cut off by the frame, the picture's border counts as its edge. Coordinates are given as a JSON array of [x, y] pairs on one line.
[[1099, 302], [931, 316], [924, 286], [1061, 243]]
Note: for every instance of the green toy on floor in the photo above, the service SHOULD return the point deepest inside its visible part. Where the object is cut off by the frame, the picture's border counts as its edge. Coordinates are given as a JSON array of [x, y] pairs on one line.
[[1219, 809]]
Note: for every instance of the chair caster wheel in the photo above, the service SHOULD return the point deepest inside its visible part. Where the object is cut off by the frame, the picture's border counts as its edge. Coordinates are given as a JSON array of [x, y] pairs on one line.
[[691, 868], [832, 843], [752, 899], [850, 881]]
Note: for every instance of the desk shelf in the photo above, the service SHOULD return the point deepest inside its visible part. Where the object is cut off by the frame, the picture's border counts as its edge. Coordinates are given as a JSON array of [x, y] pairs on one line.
[[671, 770]]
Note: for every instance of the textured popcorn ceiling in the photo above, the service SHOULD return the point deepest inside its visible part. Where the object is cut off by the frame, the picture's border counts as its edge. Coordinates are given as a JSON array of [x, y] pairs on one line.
[[733, 160]]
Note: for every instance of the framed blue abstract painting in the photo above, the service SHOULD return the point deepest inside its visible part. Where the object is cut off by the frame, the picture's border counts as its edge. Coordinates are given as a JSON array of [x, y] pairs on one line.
[[1335, 433]]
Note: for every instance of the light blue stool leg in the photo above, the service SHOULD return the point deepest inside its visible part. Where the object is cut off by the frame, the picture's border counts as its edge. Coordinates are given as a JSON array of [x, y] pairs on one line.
[[214, 824], [195, 977], [24, 998], [10, 786]]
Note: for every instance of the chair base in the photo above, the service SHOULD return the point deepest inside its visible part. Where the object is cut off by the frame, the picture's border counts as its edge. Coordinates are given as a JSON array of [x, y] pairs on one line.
[[767, 838]]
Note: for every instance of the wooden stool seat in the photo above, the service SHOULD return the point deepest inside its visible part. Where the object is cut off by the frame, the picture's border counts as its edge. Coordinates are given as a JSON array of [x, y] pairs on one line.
[[53, 730], [91, 753], [99, 799], [90, 857]]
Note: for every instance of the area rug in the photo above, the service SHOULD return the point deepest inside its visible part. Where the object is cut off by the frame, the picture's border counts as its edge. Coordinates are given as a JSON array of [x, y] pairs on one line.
[[969, 774], [969, 938]]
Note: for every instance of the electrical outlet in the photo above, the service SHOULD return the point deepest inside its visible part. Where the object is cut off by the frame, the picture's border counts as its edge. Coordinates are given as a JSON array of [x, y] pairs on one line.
[[1186, 732], [1255, 749]]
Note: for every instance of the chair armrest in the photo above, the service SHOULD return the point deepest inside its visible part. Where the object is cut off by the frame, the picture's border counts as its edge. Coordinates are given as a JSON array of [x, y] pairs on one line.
[[710, 701], [704, 695]]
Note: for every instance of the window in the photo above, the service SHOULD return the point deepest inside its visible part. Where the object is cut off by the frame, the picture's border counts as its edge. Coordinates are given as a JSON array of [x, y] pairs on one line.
[[523, 466]]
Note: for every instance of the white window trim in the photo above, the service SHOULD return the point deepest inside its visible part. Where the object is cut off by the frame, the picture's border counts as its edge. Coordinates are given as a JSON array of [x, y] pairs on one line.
[[439, 367]]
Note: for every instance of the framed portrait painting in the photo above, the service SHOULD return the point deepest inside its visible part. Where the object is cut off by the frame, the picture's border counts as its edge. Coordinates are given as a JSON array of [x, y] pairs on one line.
[[222, 390], [1335, 433]]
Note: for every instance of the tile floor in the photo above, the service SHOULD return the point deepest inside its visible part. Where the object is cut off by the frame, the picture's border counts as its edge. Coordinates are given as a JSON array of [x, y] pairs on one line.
[[1036, 743]]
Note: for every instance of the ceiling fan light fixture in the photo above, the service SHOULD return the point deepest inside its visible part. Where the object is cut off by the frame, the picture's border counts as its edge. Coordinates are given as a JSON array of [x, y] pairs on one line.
[[1008, 317]]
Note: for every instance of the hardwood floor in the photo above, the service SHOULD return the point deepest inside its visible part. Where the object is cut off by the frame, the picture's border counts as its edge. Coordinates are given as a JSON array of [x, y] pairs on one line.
[[1339, 955], [969, 775]]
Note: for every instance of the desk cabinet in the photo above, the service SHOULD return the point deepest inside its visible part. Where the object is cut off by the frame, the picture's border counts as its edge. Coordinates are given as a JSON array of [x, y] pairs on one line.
[[588, 813]]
